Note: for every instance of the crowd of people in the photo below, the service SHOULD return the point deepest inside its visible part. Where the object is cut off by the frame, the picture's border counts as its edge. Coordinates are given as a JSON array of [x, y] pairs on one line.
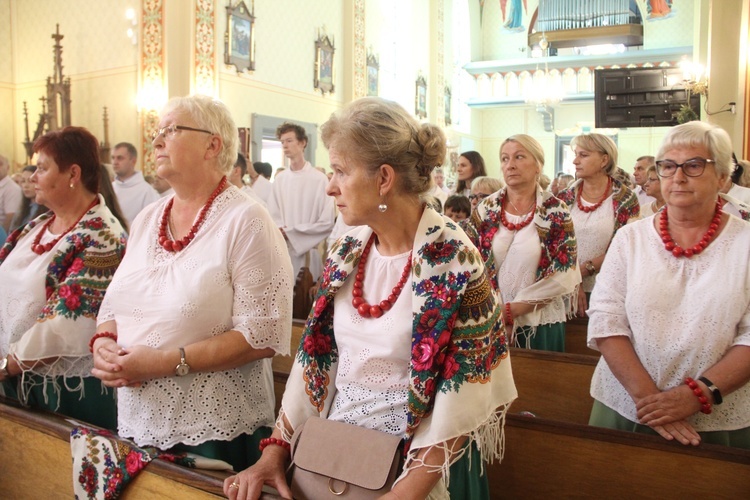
[[422, 293]]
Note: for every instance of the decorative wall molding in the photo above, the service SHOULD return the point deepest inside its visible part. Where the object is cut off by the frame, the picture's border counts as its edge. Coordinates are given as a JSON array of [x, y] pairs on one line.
[[360, 54], [152, 77], [204, 55]]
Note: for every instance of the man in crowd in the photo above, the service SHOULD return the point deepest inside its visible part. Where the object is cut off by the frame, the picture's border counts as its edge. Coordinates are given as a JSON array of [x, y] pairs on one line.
[[260, 175], [299, 204], [132, 190], [10, 195], [640, 173], [238, 173]]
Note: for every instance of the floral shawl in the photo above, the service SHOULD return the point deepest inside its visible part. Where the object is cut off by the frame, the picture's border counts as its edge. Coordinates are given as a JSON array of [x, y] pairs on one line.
[[76, 281], [624, 201], [557, 274], [460, 375]]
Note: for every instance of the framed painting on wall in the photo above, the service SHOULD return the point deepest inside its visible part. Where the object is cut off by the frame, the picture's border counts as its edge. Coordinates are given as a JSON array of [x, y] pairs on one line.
[[239, 38], [373, 68], [324, 71], [420, 102]]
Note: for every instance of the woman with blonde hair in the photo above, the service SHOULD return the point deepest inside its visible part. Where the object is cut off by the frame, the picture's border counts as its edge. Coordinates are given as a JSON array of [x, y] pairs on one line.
[[201, 303], [526, 238], [387, 345], [599, 205], [482, 187]]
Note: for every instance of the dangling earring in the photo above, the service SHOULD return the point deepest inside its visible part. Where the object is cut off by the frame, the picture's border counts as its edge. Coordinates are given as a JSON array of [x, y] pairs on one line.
[[382, 207]]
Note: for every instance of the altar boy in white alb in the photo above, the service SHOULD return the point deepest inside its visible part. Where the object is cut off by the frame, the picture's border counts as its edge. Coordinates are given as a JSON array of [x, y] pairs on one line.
[[298, 203], [132, 190]]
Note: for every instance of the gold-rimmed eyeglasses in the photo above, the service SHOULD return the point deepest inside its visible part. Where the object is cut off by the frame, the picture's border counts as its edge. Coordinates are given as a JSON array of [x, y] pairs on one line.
[[169, 131]]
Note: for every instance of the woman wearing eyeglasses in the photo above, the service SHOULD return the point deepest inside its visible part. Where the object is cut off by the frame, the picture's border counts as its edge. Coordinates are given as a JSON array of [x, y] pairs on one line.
[[673, 326], [599, 204], [652, 188], [482, 187], [201, 302], [526, 238]]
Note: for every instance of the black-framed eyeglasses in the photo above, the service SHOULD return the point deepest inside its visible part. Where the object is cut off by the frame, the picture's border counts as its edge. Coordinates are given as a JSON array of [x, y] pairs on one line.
[[694, 167], [170, 130], [477, 197]]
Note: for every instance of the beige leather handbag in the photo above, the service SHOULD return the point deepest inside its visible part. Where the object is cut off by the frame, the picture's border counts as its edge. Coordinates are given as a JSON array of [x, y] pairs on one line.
[[337, 460]]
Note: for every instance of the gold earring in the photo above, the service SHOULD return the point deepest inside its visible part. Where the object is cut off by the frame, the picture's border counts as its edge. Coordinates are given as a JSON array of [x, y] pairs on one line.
[[71, 185]]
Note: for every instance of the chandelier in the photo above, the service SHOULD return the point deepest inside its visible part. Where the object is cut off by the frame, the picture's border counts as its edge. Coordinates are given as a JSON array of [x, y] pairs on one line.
[[545, 87]]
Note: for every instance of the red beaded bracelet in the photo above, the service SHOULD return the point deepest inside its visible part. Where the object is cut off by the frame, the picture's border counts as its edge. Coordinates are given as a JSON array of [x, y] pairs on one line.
[[111, 335], [508, 315], [705, 404], [274, 441]]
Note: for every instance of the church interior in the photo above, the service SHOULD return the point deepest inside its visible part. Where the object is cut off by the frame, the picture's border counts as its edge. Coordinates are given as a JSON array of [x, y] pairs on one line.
[[482, 70]]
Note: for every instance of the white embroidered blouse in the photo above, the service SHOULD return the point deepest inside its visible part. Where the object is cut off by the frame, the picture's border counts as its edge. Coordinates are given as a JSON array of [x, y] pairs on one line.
[[236, 274], [593, 232], [682, 315]]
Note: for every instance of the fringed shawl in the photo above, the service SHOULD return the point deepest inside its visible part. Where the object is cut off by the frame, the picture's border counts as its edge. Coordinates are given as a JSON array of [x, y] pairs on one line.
[[77, 278], [624, 201], [557, 274], [460, 375]]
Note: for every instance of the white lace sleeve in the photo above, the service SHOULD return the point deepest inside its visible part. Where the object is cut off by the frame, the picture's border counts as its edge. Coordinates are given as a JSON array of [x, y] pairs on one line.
[[262, 280]]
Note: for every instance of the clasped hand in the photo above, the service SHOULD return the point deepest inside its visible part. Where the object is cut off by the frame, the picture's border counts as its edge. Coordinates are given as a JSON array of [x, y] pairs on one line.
[[666, 412], [117, 366]]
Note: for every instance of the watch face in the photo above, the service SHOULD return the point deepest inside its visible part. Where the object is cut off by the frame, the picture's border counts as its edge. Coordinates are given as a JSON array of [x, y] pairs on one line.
[[3, 364], [182, 369]]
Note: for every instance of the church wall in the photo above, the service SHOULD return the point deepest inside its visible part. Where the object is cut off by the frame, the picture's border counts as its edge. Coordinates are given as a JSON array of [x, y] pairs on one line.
[[282, 84]]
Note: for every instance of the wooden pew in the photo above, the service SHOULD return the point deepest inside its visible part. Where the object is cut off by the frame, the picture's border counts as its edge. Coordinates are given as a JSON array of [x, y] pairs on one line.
[[575, 337], [282, 365], [553, 385], [545, 459], [36, 463]]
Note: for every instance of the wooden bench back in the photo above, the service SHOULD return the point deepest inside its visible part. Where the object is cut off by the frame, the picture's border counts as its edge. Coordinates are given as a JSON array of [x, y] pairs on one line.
[[546, 459], [552, 385]]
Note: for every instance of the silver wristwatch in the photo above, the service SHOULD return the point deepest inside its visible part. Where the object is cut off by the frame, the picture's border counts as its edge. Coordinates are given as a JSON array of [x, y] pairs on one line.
[[183, 368], [4, 366]]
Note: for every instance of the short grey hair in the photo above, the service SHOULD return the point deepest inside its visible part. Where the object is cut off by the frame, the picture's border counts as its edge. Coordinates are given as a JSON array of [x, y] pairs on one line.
[[701, 134], [213, 115]]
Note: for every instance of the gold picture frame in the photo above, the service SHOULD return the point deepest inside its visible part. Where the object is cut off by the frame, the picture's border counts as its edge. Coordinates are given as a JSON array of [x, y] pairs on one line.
[[239, 38], [324, 74], [420, 100]]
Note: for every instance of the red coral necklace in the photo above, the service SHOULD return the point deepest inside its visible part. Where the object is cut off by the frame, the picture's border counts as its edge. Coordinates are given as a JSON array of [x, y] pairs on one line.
[[366, 310], [177, 245], [39, 248], [516, 227], [586, 209], [707, 238]]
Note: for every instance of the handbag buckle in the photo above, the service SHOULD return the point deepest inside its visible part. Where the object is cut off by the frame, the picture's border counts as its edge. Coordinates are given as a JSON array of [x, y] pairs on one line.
[[334, 492]]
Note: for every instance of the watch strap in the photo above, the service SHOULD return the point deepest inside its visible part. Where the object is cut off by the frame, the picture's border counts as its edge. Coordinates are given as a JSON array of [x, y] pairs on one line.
[[715, 392]]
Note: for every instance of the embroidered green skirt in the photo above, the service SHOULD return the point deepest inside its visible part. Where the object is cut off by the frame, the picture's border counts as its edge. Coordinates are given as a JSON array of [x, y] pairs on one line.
[[604, 416], [550, 337], [83, 399], [468, 479]]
